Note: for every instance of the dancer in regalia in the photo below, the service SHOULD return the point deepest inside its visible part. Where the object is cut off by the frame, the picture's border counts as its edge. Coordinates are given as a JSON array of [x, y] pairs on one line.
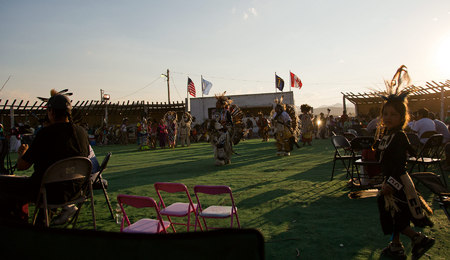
[[185, 129], [285, 123], [225, 128], [263, 127], [307, 126], [171, 122], [398, 201]]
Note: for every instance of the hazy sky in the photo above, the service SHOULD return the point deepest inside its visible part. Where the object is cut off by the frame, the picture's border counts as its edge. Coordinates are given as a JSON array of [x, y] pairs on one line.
[[123, 47]]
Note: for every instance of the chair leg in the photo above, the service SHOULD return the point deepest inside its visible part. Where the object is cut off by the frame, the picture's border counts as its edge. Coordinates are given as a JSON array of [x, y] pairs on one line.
[[108, 201], [237, 220], [332, 172]]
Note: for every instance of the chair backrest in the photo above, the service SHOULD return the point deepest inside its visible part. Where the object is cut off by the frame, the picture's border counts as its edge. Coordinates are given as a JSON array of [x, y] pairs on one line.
[[68, 169], [432, 147], [105, 162], [414, 140], [362, 142], [56, 185], [213, 190], [350, 135], [137, 202], [341, 144], [172, 188]]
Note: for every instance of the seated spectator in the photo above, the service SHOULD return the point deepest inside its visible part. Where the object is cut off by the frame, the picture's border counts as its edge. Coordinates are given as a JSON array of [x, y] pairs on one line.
[[422, 124], [59, 140], [441, 128]]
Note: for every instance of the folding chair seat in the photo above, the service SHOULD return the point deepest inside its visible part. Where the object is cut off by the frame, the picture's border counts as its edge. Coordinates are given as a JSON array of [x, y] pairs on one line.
[[435, 185], [177, 209], [342, 152], [215, 211], [99, 183], [429, 155], [67, 182], [144, 225]]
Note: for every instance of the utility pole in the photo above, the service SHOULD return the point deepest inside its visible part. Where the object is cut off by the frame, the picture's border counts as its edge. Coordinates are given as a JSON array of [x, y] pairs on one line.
[[168, 87]]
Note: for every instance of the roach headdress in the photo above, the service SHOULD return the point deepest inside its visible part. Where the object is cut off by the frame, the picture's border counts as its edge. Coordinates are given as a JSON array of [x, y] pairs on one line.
[[398, 88], [279, 103], [222, 101]]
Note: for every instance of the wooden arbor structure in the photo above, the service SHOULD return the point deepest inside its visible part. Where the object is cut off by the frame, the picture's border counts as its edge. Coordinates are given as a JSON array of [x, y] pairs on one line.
[[434, 96], [92, 112]]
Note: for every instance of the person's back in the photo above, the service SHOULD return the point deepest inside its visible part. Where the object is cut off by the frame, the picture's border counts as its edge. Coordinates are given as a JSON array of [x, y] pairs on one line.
[[56, 142], [441, 128], [423, 124]]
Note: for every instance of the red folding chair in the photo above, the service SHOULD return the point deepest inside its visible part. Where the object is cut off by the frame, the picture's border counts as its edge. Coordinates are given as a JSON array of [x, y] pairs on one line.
[[217, 212], [144, 225], [177, 209]]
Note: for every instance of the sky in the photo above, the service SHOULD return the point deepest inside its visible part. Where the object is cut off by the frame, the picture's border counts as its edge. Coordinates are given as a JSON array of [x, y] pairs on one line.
[[123, 47]]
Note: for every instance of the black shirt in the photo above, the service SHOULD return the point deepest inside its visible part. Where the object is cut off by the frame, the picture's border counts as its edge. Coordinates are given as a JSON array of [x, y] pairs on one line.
[[394, 148], [53, 143]]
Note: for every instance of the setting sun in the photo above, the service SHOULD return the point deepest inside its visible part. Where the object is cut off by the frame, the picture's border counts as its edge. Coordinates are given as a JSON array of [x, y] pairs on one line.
[[443, 55]]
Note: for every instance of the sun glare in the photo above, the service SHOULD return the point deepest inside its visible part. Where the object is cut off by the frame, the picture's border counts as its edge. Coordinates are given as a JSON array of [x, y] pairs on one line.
[[443, 56]]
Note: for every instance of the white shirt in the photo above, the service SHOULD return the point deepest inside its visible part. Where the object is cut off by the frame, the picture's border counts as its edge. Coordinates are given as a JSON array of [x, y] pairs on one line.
[[284, 117], [423, 125], [442, 129]]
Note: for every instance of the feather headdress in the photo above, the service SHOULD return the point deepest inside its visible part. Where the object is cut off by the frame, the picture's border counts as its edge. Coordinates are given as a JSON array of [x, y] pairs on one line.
[[54, 92], [398, 87], [279, 102], [222, 100]]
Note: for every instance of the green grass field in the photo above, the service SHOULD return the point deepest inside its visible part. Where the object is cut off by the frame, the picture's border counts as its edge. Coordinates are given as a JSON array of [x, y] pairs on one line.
[[290, 200]]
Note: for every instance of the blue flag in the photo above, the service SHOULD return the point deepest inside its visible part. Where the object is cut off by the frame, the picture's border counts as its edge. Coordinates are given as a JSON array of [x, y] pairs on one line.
[[279, 83]]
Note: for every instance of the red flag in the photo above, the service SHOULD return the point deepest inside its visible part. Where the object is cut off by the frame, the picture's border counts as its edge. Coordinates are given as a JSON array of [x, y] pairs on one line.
[[295, 81], [191, 87]]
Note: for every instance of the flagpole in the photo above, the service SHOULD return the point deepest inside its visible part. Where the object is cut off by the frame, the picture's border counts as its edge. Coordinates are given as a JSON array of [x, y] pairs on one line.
[[203, 100], [276, 82], [187, 96], [291, 81]]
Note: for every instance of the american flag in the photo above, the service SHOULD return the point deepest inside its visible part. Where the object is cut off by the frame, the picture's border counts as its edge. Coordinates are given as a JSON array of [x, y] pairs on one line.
[[191, 87]]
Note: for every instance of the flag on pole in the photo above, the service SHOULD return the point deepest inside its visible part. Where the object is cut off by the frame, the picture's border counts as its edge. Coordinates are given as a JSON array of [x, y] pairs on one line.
[[279, 83], [295, 81], [206, 86], [191, 87]]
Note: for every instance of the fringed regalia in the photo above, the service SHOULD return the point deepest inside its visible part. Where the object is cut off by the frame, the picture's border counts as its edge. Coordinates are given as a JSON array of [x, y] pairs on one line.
[[263, 127], [306, 124], [143, 135], [185, 129], [285, 123], [171, 122], [404, 205], [226, 129]]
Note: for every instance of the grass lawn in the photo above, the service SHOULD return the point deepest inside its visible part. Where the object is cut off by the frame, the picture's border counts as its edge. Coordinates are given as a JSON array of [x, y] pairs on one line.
[[290, 200]]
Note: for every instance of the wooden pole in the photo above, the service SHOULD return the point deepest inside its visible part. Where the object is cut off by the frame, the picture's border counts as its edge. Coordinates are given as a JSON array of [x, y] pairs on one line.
[[168, 87]]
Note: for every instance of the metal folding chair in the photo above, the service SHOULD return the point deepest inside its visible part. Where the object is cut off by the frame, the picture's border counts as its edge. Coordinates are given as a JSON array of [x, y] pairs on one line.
[[144, 225], [435, 185], [215, 211], [177, 209], [67, 182], [342, 152], [429, 155]]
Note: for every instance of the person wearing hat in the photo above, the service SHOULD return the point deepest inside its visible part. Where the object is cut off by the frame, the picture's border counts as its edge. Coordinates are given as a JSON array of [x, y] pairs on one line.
[[59, 140]]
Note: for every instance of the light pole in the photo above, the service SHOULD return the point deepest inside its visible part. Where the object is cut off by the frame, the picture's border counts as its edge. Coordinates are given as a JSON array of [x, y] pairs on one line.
[[104, 98], [168, 88]]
